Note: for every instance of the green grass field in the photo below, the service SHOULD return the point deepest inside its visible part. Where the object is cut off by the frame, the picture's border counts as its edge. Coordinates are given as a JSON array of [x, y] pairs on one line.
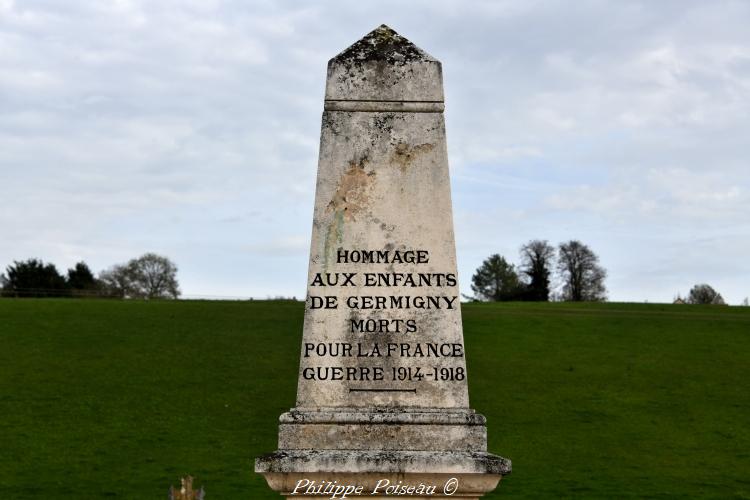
[[119, 398]]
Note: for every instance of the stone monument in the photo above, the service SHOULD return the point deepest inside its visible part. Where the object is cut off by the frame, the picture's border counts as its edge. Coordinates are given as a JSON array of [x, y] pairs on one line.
[[382, 402]]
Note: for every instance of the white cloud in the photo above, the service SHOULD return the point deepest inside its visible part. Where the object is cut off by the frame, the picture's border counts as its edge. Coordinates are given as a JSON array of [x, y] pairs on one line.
[[134, 125]]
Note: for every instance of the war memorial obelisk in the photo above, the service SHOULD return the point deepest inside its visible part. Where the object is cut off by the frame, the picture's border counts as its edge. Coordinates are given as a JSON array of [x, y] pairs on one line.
[[382, 401]]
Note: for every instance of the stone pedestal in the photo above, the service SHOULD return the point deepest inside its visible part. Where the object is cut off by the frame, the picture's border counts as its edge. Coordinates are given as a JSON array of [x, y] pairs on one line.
[[438, 474], [382, 399]]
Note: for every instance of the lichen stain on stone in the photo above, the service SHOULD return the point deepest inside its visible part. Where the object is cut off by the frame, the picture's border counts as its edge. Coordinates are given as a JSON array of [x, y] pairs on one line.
[[352, 194], [382, 123], [382, 55], [330, 122], [350, 198], [334, 236], [382, 44], [404, 155]]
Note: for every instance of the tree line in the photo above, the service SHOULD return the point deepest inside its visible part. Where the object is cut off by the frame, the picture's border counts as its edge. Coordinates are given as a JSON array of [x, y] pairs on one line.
[[703, 293], [573, 264], [149, 276]]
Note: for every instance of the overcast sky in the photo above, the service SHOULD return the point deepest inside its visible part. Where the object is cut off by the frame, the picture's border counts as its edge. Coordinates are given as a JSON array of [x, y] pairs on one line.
[[191, 129]]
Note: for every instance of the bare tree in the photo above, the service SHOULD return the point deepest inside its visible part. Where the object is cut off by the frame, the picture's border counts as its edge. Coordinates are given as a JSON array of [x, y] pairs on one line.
[[705, 294], [150, 276], [580, 272], [537, 259], [154, 276], [116, 281]]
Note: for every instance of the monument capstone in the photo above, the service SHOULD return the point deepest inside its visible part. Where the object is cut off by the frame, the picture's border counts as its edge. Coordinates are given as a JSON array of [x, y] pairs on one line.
[[382, 404]]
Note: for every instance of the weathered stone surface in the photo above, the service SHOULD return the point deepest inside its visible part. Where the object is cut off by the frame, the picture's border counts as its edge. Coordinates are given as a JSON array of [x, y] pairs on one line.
[[472, 474], [382, 185], [384, 66], [468, 486], [382, 389], [412, 430], [382, 462]]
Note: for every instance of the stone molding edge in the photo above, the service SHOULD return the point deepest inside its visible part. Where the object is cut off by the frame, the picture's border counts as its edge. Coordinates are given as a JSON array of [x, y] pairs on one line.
[[375, 106], [358, 461], [466, 417]]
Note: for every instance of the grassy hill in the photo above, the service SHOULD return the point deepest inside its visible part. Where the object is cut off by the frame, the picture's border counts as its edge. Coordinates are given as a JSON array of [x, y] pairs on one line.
[[118, 399]]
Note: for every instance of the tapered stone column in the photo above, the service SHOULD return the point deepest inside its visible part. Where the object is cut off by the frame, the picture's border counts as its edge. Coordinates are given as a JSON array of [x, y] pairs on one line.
[[382, 399]]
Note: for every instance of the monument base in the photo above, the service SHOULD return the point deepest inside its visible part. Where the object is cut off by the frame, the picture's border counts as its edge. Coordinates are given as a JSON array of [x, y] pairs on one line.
[[382, 474], [405, 429]]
